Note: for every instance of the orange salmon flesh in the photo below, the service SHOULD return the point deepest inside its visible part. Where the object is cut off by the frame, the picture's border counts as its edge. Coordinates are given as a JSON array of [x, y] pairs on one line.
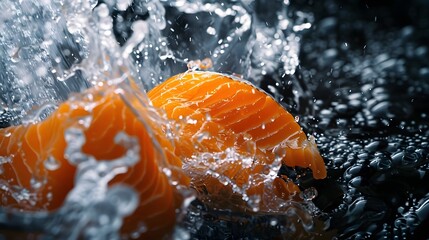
[[229, 112]]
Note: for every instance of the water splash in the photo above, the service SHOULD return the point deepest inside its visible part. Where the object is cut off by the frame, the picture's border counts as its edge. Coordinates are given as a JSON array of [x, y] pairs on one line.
[[205, 167], [92, 209], [65, 46], [257, 41]]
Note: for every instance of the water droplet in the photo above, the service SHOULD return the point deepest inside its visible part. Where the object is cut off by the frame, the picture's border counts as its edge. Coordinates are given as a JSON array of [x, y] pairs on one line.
[[194, 65], [202, 136], [341, 108], [4, 160], [140, 229], [36, 183], [85, 121], [211, 31], [397, 157], [309, 194], [51, 163], [363, 156], [49, 196], [122, 5], [206, 63], [381, 109], [296, 118], [273, 222]]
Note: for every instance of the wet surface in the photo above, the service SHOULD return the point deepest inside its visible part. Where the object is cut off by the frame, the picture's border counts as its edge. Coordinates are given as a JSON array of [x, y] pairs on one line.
[[367, 63]]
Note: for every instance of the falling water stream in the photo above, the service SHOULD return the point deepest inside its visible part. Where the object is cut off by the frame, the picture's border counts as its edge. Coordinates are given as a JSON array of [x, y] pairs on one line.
[[362, 95]]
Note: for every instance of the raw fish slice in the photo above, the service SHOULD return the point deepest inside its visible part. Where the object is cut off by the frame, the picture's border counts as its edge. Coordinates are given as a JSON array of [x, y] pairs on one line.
[[271, 126], [29, 146]]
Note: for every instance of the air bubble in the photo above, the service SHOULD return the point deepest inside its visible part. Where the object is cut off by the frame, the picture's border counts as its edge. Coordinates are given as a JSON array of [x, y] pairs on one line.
[[363, 156], [372, 147], [341, 108]]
